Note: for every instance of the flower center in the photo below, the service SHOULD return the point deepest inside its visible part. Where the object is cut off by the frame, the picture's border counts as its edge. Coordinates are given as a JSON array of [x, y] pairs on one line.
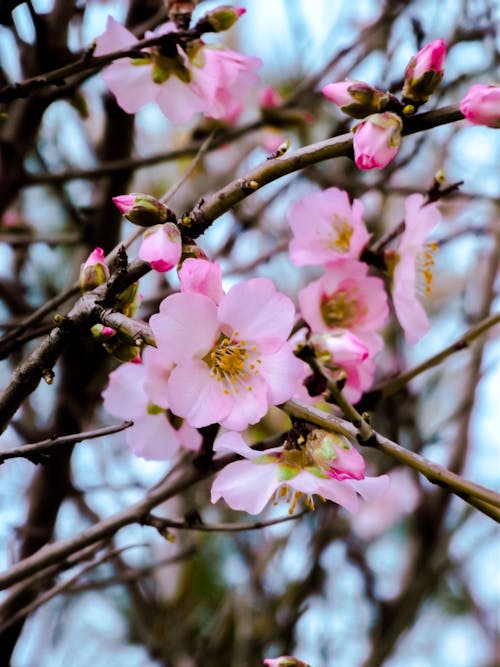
[[340, 309], [425, 261], [292, 497], [230, 360], [343, 231]]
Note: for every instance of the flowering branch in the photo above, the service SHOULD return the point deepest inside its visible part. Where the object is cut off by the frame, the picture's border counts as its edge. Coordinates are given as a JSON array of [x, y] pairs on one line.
[[221, 201], [360, 430]]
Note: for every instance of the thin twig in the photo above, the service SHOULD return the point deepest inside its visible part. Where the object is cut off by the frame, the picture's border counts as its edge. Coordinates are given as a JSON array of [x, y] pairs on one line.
[[38, 452], [392, 386], [162, 524]]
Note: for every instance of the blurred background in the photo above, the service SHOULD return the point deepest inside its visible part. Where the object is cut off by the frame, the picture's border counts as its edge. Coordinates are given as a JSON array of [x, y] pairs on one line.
[[410, 581]]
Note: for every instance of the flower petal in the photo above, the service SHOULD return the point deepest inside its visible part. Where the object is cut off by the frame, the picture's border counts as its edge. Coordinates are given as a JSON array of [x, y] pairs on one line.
[[186, 326], [245, 485], [196, 396], [257, 311]]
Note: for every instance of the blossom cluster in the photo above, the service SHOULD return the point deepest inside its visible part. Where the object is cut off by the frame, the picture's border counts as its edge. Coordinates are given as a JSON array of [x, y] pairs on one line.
[[227, 357]]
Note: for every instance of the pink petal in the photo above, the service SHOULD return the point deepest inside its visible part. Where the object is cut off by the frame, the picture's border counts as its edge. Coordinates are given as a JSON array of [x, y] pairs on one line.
[[115, 38], [369, 488], [157, 369], [249, 406], [245, 485], [153, 437], [283, 373], [186, 326], [130, 84], [124, 396], [196, 396], [258, 312], [178, 101]]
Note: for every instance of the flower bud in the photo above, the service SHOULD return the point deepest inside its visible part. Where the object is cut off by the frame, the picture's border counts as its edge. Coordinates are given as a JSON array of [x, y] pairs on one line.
[[284, 661], [376, 140], [121, 350], [162, 247], [223, 17], [143, 210], [128, 301], [424, 72], [94, 271], [481, 105], [356, 98], [335, 455]]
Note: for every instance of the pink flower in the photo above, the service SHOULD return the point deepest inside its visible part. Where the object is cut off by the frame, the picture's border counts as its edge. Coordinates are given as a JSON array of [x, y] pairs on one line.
[[214, 82], [232, 360], [162, 247], [424, 72], [326, 465], [94, 271], [202, 277], [481, 105], [326, 227], [345, 298], [356, 98], [152, 436], [411, 266], [376, 140]]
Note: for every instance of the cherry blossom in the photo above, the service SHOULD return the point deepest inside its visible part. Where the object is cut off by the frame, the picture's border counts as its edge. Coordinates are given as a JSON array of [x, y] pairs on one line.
[[231, 360], [345, 298], [326, 465], [213, 81], [135, 392], [326, 227], [481, 105], [162, 247], [411, 266], [376, 140]]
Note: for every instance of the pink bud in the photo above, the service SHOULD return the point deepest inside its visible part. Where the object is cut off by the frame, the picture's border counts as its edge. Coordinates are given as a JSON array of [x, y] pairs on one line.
[[424, 72], [270, 98], [376, 140], [94, 271], [162, 247], [284, 661], [481, 105], [338, 93], [223, 17], [356, 98], [431, 57], [143, 210]]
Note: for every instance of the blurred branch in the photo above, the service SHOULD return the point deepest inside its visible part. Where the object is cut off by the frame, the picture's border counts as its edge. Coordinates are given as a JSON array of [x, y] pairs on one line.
[[39, 452], [162, 524], [61, 587], [106, 528], [461, 343]]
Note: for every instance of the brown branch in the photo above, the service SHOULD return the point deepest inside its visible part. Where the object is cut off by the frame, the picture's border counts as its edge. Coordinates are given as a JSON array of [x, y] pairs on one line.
[[39, 452]]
